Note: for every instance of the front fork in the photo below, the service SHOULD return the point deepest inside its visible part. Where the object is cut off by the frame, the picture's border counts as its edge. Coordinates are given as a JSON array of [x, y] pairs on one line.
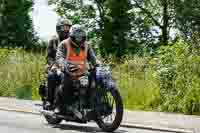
[[103, 103]]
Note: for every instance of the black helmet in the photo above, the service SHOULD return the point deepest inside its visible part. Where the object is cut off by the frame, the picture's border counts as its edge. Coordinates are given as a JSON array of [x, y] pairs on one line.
[[61, 22], [63, 33], [77, 35]]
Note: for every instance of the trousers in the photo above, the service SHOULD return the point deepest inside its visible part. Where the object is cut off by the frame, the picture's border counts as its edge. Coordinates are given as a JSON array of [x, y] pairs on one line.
[[59, 88]]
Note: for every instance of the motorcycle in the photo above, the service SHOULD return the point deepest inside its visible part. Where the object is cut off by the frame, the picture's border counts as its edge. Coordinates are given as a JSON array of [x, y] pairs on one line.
[[95, 98]]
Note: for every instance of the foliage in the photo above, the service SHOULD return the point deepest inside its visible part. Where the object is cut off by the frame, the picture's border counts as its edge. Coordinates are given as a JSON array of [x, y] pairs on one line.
[[154, 21], [140, 25], [172, 83], [187, 14], [135, 77], [116, 28], [16, 24], [179, 79], [78, 12], [107, 20], [21, 74], [151, 77]]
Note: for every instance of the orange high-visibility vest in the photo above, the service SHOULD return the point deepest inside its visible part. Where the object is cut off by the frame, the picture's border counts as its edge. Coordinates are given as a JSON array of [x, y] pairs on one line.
[[77, 59]]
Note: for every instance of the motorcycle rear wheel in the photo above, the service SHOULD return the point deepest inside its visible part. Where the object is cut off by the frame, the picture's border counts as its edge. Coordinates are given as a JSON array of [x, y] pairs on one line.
[[53, 121], [50, 119]]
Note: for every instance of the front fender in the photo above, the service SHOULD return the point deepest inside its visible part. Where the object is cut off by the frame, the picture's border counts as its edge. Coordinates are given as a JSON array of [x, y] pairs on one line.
[[108, 84], [104, 77]]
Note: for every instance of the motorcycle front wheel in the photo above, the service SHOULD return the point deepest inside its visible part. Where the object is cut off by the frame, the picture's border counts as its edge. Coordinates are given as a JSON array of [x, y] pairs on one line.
[[111, 122]]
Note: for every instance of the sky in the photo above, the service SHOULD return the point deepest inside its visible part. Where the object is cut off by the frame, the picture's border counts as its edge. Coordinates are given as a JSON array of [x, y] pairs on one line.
[[44, 19]]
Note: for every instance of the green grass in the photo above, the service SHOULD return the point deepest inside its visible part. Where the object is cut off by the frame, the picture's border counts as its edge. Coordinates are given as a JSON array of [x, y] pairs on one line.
[[21, 73], [159, 84], [138, 85]]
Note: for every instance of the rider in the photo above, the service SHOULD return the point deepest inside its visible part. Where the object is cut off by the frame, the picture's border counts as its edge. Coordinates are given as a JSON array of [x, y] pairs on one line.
[[72, 55], [62, 28]]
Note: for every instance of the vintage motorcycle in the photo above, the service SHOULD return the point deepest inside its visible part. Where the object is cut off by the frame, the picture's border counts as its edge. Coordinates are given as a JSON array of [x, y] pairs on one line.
[[95, 98]]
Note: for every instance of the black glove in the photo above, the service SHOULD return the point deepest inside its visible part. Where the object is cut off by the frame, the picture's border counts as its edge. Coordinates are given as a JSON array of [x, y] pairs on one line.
[[70, 68], [73, 68]]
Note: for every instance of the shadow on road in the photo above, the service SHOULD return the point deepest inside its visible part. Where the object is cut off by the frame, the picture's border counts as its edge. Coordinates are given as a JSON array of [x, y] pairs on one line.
[[82, 128]]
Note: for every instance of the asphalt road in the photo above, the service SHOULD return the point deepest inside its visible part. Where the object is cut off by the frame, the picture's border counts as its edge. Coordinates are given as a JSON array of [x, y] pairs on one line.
[[27, 123]]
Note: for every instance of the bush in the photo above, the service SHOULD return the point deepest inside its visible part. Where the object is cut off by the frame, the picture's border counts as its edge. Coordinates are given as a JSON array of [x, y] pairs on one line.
[[179, 73], [169, 82], [137, 83], [24, 92], [21, 72]]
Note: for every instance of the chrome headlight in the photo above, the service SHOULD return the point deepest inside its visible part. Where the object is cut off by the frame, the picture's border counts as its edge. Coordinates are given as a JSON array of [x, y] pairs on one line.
[[103, 72]]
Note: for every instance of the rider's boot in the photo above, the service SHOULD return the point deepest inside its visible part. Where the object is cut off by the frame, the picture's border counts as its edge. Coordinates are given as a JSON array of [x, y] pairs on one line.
[[57, 105], [48, 105]]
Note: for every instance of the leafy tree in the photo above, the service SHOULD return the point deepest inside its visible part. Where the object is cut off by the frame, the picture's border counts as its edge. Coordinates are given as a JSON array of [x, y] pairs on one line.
[[188, 23], [1, 15], [152, 22], [76, 10], [116, 28], [107, 20], [187, 17], [17, 29], [156, 16]]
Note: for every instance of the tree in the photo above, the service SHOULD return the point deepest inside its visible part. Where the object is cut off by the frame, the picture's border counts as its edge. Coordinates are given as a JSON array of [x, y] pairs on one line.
[[105, 19], [187, 17], [141, 24], [1, 15], [188, 23], [77, 11], [116, 28], [17, 24], [159, 14]]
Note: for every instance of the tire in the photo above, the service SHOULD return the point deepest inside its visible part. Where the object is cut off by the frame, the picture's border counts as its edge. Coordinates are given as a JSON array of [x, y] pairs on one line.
[[53, 121], [119, 114]]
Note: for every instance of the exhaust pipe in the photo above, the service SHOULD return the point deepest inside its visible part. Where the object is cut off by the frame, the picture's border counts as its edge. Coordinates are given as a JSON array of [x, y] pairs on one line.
[[47, 113]]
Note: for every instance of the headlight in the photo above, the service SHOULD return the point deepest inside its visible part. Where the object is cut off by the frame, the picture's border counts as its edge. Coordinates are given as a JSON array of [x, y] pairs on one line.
[[103, 72]]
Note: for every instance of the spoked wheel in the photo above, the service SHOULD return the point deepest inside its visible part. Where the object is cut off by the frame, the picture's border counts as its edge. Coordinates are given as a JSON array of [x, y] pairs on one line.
[[52, 120], [111, 122]]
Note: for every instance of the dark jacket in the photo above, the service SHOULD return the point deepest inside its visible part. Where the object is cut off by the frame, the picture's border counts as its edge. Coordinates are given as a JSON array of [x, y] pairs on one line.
[[52, 49]]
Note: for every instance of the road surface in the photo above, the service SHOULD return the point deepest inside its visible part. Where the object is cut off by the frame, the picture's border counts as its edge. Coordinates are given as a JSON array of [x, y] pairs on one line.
[[28, 123]]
